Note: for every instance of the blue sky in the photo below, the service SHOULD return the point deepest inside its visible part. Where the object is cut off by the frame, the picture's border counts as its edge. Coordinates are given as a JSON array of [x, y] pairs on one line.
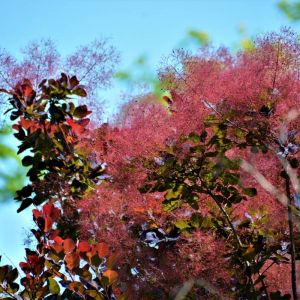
[[144, 27]]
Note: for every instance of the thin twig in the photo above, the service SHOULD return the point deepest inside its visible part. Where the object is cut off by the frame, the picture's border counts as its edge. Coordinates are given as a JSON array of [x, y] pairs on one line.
[[265, 184], [292, 241]]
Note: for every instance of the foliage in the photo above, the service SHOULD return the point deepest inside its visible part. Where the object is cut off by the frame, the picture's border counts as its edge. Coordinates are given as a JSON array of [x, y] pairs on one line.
[[49, 126], [93, 64], [175, 191], [235, 108], [206, 170], [290, 9], [84, 275], [13, 180]]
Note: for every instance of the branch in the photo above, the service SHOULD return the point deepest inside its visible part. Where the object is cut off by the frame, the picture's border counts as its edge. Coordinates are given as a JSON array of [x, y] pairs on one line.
[[265, 184]]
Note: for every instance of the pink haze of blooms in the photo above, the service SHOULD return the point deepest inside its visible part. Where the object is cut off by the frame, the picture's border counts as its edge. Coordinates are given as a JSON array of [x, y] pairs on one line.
[[211, 82]]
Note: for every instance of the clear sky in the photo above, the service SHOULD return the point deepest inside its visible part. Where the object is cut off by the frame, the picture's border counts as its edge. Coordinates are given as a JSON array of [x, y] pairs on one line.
[[141, 27], [136, 27]]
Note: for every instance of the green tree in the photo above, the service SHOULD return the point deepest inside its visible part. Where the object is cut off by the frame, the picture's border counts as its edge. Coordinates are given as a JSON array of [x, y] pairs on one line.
[[12, 177]]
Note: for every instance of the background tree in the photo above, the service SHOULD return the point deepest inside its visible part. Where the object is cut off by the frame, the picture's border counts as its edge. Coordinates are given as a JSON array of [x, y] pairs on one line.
[[13, 179], [290, 8], [94, 65]]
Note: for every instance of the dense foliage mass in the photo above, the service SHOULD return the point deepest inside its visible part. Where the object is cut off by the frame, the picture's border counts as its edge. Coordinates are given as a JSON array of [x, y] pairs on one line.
[[220, 109], [195, 198], [49, 126]]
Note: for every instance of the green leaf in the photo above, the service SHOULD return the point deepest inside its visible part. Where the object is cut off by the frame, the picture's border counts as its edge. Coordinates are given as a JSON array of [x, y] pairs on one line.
[[210, 119], [211, 154], [196, 220], [192, 201], [81, 111], [201, 37], [27, 161], [29, 141], [277, 296], [21, 134], [174, 194], [231, 178], [25, 203], [12, 287], [3, 272], [24, 146], [254, 149], [84, 273], [96, 260], [12, 275], [220, 199], [197, 149], [235, 198], [53, 286], [94, 294], [169, 205], [122, 75], [251, 192], [79, 92], [145, 188], [195, 138], [182, 224]]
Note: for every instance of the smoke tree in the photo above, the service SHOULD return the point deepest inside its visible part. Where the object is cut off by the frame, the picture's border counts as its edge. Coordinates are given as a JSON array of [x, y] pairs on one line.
[[93, 64], [196, 194], [241, 107]]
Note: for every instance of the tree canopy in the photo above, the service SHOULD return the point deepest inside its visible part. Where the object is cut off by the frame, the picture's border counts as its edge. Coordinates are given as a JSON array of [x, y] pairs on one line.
[[189, 194]]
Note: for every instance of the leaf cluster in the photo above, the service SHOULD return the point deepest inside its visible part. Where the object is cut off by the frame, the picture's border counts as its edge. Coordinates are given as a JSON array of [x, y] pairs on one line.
[[78, 266], [50, 126]]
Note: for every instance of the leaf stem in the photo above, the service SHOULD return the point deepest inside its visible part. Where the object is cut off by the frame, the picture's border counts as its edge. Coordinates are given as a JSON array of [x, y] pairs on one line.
[[291, 236]]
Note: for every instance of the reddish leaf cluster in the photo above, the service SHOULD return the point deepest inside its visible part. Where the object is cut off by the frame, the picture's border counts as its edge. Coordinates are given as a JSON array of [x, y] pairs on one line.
[[52, 251], [50, 126]]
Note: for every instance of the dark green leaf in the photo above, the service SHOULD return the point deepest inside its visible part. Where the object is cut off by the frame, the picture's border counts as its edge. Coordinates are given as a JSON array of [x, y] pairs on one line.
[[195, 138], [251, 192], [25, 203], [81, 111], [196, 220], [79, 92], [27, 161]]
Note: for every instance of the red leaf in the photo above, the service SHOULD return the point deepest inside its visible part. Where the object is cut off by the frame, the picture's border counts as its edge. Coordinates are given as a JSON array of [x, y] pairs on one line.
[[77, 128], [58, 240], [23, 265], [15, 127], [48, 224], [26, 124], [24, 88], [49, 210], [57, 247], [84, 122], [72, 260], [111, 275], [36, 214], [54, 234], [27, 90], [68, 245], [84, 246], [102, 249]]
